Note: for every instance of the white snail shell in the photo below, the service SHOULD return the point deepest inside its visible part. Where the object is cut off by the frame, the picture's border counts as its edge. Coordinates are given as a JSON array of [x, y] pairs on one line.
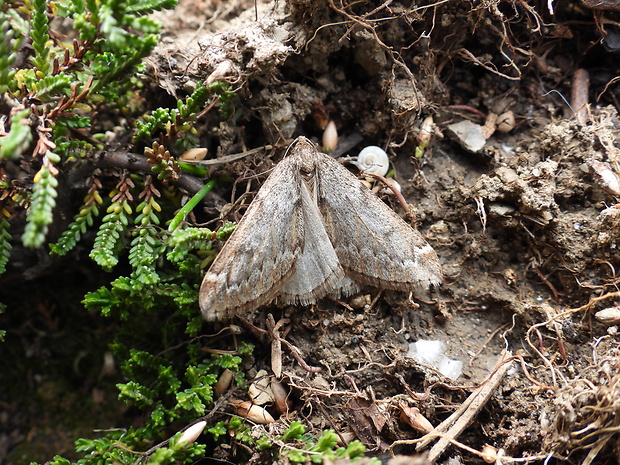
[[373, 159]]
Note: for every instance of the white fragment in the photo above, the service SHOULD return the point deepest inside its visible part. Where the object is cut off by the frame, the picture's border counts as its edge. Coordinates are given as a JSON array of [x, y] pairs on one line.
[[192, 433], [260, 390], [610, 316], [607, 177], [427, 352], [330, 137], [450, 368], [432, 353], [468, 135]]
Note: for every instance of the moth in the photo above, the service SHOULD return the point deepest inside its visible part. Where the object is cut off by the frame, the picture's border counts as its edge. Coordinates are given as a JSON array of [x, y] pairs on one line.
[[314, 230]]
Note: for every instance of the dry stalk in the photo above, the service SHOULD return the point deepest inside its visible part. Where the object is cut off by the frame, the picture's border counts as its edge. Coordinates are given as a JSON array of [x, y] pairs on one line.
[[452, 427]]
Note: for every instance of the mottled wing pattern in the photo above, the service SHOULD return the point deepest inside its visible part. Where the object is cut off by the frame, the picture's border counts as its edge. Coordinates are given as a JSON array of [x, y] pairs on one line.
[[373, 244], [260, 256], [317, 272], [312, 230]]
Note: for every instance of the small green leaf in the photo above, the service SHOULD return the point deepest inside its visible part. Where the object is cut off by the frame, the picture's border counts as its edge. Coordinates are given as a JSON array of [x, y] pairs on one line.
[[218, 430], [189, 400], [40, 215], [327, 441], [295, 431], [19, 137]]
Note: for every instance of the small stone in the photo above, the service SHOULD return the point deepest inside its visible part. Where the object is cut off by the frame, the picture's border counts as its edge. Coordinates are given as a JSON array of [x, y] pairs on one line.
[[468, 135]]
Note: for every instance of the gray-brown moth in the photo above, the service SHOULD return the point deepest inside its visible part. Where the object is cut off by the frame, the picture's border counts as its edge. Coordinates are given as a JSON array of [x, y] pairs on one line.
[[314, 230]]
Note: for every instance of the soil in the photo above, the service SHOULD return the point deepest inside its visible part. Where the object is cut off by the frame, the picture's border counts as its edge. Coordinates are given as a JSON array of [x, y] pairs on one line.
[[527, 228]]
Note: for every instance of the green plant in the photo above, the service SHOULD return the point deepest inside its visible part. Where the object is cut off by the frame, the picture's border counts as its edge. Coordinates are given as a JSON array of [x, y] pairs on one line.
[[61, 88], [177, 123], [170, 396], [42, 203], [302, 447], [5, 241], [58, 100], [173, 387]]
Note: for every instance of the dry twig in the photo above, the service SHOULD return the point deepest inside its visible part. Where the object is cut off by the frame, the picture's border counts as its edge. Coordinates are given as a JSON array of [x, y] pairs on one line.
[[452, 427]]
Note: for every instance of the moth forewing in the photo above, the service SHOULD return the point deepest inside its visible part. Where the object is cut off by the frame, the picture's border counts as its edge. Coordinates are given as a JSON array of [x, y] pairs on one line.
[[373, 244], [312, 230], [260, 256]]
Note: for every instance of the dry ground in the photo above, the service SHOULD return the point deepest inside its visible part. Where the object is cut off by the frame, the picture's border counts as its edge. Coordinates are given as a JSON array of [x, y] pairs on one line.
[[527, 229]]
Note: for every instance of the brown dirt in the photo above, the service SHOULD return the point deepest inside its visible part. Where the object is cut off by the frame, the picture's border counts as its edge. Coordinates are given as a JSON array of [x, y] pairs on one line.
[[527, 230]]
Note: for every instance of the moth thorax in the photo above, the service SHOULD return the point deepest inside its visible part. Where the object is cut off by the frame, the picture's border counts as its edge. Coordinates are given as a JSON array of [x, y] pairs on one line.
[[307, 170]]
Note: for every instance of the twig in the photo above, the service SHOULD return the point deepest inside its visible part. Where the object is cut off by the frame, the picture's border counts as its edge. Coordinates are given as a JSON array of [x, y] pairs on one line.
[[479, 398], [579, 95], [395, 191], [500, 460], [297, 354], [132, 162], [556, 293], [459, 420], [228, 158], [330, 420], [530, 378], [276, 347], [136, 162], [613, 81], [493, 334], [276, 344]]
